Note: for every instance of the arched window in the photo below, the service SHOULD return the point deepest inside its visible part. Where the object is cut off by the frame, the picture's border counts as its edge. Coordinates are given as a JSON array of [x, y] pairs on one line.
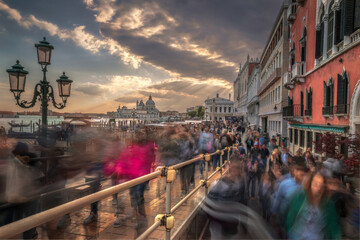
[[328, 97], [330, 35]]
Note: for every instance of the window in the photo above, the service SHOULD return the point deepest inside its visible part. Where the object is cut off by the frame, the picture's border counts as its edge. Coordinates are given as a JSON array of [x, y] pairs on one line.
[[291, 135], [342, 93], [328, 97], [330, 27], [320, 34], [229, 109], [309, 99], [278, 93], [302, 138], [309, 139], [224, 109], [296, 140], [215, 109], [292, 56], [219, 109], [318, 144], [303, 46]]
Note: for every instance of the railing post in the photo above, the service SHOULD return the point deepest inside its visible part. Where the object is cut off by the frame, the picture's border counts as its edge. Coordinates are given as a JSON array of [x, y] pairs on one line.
[[169, 219], [207, 159], [228, 154], [221, 161]]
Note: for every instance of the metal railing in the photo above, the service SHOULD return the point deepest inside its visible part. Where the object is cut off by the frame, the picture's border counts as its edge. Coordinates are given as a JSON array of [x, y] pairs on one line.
[[327, 110], [341, 109], [293, 111], [166, 220], [308, 112]]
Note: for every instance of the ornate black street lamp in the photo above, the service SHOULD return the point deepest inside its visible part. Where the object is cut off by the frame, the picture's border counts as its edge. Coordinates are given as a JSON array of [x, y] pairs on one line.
[[43, 92]]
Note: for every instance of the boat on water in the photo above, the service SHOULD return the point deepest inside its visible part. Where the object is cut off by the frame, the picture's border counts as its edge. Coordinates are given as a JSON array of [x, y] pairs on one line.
[[13, 124]]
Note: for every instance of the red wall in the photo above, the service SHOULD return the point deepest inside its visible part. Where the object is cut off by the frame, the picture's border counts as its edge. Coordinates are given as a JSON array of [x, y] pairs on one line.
[[351, 63], [306, 16]]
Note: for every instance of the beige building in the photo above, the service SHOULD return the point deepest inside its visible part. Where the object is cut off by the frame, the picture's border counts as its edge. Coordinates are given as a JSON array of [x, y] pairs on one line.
[[241, 88], [274, 63], [217, 109]]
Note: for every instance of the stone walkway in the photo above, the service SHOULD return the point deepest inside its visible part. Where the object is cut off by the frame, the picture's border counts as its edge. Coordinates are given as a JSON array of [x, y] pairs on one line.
[[103, 228]]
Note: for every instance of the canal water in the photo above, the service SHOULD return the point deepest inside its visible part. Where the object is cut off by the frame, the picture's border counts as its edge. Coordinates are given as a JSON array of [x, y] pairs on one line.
[[26, 119]]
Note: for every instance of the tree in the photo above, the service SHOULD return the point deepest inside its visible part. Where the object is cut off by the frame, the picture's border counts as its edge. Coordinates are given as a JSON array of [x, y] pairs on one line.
[[200, 112]]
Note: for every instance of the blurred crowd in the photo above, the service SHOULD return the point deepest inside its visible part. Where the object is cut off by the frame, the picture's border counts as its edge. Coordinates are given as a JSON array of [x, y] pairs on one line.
[[297, 196]]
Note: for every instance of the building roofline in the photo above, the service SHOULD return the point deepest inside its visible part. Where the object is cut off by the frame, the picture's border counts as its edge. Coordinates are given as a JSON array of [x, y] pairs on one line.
[[283, 7]]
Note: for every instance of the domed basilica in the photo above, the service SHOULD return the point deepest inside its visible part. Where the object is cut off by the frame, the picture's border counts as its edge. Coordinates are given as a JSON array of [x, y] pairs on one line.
[[142, 111]]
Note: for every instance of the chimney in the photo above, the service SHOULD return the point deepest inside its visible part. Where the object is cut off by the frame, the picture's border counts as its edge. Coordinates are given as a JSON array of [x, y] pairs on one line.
[[217, 95], [230, 96]]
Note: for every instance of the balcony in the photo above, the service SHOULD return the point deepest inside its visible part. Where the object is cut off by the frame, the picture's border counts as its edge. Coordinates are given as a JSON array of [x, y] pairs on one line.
[[291, 12], [298, 71], [308, 112], [327, 111], [293, 113], [274, 76], [288, 83], [341, 110]]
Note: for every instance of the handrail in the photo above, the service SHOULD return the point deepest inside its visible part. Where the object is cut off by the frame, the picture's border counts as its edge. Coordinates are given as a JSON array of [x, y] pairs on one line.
[[25, 224], [153, 227]]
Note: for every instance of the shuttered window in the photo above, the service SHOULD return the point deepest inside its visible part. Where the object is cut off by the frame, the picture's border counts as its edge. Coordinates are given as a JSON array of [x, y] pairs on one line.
[[328, 94], [309, 99], [357, 15], [342, 90], [330, 30], [318, 50], [339, 25], [349, 7]]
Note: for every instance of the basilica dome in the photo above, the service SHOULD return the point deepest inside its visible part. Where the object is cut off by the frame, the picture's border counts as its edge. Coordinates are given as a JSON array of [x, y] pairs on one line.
[[150, 102]]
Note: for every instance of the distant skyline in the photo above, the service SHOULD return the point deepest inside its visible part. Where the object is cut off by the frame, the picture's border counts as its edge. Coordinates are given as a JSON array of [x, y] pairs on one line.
[[180, 52]]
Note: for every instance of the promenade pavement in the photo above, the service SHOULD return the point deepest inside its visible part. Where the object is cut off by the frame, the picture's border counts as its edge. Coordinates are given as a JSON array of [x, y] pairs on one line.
[[103, 228]]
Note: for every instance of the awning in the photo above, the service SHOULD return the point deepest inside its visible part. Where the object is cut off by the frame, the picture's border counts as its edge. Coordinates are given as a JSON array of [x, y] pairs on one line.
[[325, 128]]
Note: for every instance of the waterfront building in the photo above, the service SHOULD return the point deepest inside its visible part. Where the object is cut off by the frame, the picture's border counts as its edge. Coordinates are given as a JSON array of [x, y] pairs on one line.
[[323, 73], [143, 111], [217, 109], [274, 62], [252, 96], [240, 88]]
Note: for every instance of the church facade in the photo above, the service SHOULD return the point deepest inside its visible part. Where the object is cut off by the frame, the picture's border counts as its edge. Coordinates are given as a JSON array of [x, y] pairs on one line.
[[143, 111]]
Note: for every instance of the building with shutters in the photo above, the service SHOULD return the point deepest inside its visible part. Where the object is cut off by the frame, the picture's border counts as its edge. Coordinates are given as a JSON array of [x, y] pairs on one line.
[[252, 96], [274, 64], [240, 88], [323, 76]]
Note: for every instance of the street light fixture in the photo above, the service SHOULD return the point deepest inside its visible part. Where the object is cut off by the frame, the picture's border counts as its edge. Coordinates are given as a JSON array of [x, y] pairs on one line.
[[43, 91]]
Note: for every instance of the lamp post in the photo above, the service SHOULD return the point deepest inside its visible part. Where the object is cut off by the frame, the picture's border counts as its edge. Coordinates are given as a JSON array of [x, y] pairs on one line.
[[43, 91]]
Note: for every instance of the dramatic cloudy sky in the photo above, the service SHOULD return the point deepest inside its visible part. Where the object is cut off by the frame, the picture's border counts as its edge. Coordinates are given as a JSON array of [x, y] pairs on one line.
[[180, 51]]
